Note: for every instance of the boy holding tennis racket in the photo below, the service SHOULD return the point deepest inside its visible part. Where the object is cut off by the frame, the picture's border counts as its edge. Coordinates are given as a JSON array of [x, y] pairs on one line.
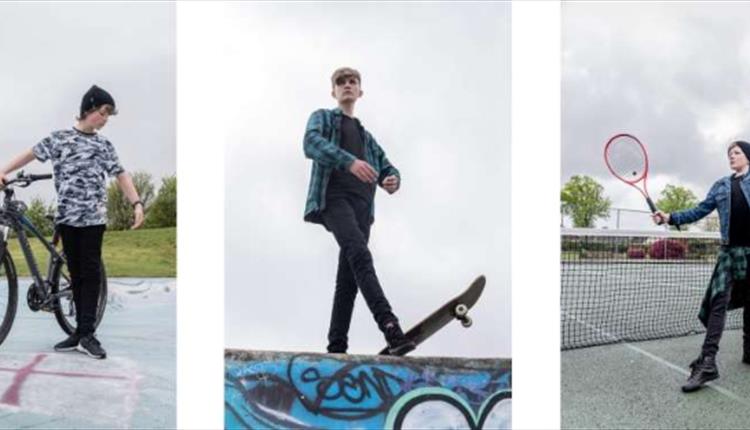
[[81, 159], [347, 165], [728, 288]]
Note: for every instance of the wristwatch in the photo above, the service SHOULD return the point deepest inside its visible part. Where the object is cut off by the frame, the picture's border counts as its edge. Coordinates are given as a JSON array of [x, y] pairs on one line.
[[137, 203]]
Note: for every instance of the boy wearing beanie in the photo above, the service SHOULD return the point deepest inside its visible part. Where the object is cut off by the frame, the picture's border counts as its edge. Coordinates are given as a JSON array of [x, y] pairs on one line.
[[81, 160]]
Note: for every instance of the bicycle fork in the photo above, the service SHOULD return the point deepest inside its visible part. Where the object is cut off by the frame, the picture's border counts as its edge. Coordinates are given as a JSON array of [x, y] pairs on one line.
[[5, 230]]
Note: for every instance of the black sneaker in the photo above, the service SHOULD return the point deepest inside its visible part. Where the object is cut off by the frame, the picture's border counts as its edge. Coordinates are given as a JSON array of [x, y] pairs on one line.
[[90, 346], [337, 348], [69, 344], [398, 344], [702, 370]]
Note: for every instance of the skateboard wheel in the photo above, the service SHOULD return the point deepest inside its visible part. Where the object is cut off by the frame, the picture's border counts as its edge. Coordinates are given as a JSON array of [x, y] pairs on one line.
[[466, 322], [461, 310]]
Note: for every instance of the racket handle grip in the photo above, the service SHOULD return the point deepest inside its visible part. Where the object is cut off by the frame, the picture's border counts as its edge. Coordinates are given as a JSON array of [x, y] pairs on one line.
[[651, 205]]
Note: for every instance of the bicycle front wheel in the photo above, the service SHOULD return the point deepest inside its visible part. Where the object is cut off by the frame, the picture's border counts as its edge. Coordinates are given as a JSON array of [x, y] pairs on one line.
[[8, 294], [65, 310]]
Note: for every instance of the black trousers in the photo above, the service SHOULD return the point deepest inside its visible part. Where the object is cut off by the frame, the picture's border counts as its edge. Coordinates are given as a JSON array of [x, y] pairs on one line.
[[718, 316], [348, 218], [83, 252]]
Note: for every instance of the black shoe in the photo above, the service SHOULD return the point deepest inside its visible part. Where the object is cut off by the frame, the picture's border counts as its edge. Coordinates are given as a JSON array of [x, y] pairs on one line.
[[702, 370], [746, 357], [398, 344], [335, 348], [90, 346], [69, 344]]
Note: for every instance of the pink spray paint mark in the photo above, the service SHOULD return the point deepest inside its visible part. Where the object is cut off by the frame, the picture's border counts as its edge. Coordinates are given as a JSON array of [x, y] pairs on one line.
[[10, 397], [12, 394]]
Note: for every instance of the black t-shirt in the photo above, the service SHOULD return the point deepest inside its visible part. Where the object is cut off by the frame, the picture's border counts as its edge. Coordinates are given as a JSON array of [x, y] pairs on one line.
[[739, 217], [342, 181]]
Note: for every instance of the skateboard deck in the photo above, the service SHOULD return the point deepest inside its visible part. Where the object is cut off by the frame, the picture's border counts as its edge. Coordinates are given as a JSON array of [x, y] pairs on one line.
[[456, 308]]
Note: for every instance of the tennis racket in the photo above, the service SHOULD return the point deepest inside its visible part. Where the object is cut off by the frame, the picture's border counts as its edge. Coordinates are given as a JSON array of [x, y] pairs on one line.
[[627, 159]]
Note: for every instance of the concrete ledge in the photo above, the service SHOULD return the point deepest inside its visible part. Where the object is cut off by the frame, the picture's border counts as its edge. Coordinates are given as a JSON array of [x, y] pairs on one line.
[[265, 389]]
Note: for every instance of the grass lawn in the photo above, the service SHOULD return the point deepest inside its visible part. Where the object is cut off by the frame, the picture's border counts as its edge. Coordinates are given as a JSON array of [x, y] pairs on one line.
[[130, 253]]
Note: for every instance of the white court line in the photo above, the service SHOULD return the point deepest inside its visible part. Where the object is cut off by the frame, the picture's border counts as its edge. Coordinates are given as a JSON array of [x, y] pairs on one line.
[[660, 360]]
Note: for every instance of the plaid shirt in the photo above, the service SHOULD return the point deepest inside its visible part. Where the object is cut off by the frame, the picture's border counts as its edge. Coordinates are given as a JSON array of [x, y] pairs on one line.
[[322, 144], [731, 265]]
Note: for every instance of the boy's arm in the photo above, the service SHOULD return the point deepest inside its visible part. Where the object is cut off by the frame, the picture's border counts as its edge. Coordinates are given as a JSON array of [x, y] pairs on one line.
[[125, 182], [688, 216], [21, 160]]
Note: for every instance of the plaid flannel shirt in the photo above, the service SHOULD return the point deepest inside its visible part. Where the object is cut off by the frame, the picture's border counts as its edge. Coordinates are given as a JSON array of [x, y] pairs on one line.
[[731, 265], [322, 144]]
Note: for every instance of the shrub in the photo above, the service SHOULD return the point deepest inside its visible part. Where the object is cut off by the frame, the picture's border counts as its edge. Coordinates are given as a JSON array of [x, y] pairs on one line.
[[667, 249]]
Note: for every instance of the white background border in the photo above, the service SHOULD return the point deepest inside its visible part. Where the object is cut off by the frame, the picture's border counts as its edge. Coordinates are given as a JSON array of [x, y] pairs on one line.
[[535, 216], [200, 221]]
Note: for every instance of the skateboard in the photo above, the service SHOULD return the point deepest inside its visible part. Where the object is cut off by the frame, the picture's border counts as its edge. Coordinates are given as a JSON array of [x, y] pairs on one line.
[[456, 308]]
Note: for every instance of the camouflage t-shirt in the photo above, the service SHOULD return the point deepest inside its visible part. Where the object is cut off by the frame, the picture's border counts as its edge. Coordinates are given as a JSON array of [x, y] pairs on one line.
[[81, 162]]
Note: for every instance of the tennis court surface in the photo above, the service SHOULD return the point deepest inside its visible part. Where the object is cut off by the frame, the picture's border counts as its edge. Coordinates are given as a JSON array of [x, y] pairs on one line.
[[629, 326], [133, 387]]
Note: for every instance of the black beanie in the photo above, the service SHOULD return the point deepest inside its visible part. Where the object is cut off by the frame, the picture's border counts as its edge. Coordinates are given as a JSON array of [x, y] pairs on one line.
[[744, 146], [94, 98]]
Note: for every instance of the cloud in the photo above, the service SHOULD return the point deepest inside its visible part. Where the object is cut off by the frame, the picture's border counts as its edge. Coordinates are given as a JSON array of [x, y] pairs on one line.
[[679, 80]]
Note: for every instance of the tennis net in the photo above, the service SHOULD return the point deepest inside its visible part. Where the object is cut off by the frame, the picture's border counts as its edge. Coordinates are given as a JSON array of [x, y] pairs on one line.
[[633, 285]]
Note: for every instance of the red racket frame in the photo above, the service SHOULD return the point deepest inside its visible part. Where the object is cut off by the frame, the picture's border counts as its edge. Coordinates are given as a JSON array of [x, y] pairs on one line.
[[643, 177]]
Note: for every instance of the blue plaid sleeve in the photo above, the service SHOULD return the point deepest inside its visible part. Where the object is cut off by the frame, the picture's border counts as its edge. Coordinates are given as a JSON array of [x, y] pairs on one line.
[[694, 214], [386, 168], [322, 150]]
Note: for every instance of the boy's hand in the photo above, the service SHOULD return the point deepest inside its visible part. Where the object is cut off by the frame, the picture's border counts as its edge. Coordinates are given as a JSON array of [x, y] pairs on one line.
[[138, 215], [391, 184], [363, 171], [660, 218]]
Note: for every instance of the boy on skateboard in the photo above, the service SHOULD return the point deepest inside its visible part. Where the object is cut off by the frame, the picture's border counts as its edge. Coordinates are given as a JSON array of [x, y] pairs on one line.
[[81, 159], [347, 165]]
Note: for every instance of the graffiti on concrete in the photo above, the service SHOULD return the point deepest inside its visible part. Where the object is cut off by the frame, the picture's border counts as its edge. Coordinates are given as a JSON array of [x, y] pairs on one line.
[[318, 391]]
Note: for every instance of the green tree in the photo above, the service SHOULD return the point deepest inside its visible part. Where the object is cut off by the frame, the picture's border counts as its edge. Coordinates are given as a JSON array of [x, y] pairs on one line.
[[582, 198], [119, 210], [163, 213], [38, 212], [675, 198]]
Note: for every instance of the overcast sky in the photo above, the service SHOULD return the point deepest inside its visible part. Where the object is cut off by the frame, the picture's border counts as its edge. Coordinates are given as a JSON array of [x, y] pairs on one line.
[[51, 55], [436, 81], [676, 75]]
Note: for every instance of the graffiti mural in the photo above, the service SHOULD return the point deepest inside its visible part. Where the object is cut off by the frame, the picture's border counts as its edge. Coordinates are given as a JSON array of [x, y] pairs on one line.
[[281, 390]]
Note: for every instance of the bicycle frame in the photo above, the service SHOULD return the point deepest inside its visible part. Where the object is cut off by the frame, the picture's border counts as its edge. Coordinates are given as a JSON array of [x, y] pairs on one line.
[[12, 218]]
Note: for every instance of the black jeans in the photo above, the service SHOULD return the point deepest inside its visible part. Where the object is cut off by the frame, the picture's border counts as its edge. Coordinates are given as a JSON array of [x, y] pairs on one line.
[[83, 252], [717, 318], [348, 218]]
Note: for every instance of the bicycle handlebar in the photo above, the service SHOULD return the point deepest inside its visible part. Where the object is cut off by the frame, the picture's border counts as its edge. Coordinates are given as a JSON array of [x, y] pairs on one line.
[[25, 180]]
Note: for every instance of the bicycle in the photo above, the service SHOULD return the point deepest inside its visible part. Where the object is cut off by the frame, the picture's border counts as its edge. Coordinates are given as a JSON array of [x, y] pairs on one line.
[[50, 294]]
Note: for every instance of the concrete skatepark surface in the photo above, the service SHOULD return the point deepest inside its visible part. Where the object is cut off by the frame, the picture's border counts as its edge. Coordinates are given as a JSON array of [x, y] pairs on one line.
[[133, 387], [637, 385], [264, 389]]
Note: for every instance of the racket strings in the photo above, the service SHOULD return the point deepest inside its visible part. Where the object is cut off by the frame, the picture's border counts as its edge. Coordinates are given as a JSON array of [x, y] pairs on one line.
[[627, 159]]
